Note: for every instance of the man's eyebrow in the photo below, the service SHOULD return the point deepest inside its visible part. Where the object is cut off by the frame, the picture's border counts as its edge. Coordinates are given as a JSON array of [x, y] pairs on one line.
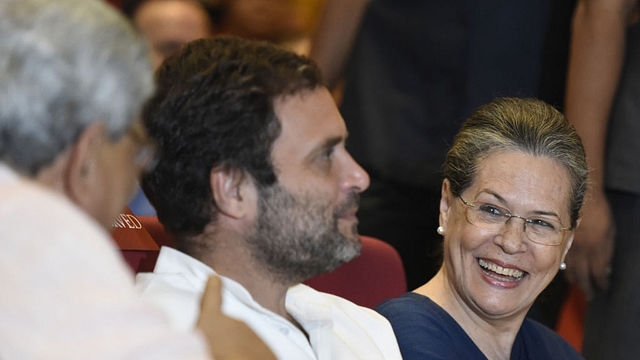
[[332, 141], [326, 144]]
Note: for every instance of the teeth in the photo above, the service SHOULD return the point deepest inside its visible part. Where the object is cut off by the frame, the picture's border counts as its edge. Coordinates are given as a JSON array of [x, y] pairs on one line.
[[500, 270]]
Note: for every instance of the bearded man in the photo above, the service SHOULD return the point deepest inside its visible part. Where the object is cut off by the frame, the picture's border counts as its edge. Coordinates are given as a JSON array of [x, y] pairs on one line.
[[256, 185]]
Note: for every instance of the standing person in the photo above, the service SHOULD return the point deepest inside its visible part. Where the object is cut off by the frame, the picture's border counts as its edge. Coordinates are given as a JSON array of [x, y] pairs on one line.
[[73, 76], [603, 102], [413, 70], [515, 180], [255, 184]]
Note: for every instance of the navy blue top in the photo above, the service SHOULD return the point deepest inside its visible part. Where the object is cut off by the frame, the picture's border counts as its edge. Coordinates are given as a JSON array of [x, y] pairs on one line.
[[426, 331]]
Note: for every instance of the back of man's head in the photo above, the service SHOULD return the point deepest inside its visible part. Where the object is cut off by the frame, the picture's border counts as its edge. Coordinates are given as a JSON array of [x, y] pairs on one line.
[[214, 107], [65, 65]]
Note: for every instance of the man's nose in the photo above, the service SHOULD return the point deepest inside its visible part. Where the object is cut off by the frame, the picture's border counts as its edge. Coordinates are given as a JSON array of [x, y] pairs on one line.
[[356, 177]]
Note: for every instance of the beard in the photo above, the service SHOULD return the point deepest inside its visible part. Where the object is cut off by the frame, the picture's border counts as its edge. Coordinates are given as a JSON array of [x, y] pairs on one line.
[[298, 237]]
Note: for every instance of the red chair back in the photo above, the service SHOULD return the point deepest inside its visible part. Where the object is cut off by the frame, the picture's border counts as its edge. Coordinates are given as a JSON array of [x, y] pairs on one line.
[[138, 247], [156, 230], [570, 324]]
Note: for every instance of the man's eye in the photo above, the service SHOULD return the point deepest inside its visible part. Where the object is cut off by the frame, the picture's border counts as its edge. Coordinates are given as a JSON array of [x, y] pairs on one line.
[[328, 153]]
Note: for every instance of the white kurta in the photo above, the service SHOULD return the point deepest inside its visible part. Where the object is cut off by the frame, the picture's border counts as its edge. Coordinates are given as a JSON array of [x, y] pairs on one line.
[[66, 293], [337, 328]]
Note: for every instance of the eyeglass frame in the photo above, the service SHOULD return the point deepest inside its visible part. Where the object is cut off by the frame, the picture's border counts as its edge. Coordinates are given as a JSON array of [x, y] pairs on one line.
[[508, 216]]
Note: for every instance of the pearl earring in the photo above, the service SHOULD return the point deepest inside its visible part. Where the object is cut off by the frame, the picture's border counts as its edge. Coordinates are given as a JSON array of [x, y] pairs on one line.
[[440, 230], [563, 266]]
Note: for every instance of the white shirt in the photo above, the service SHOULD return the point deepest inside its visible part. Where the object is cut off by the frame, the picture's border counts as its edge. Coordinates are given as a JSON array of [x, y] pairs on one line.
[[337, 328], [66, 293]]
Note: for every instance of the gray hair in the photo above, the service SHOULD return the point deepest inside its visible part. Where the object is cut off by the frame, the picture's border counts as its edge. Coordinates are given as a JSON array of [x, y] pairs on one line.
[[526, 125], [64, 65]]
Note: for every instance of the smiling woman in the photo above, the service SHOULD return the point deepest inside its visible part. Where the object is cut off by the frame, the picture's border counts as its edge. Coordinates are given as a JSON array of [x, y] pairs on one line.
[[514, 183]]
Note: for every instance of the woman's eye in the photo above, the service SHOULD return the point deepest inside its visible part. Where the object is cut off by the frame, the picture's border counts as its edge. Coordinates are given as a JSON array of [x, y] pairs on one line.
[[542, 223], [491, 209]]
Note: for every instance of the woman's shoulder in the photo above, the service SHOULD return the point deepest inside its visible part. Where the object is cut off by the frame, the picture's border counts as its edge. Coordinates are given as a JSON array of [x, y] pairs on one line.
[[412, 307], [536, 341], [426, 331]]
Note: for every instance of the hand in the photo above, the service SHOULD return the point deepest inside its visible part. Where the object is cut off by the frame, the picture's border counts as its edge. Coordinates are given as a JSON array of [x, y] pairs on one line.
[[589, 260], [228, 338]]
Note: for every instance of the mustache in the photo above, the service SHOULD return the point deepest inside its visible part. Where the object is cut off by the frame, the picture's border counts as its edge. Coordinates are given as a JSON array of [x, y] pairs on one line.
[[352, 201]]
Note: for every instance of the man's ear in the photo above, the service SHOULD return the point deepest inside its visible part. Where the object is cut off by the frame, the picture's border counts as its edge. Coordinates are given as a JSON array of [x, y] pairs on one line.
[[230, 189], [79, 176]]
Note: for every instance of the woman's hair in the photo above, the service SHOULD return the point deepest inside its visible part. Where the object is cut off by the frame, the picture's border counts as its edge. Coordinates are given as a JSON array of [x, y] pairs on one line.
[[525, 125]]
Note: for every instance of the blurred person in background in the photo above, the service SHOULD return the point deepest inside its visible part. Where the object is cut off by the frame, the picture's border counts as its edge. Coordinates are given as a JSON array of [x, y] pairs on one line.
[[169, 24], [288, 23]]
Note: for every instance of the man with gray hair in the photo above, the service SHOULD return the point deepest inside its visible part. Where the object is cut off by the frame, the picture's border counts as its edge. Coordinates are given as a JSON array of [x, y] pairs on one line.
[[73, 76]]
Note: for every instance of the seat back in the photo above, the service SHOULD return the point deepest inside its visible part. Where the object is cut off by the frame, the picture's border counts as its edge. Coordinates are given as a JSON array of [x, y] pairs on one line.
[[570, 324], [138, 247], [156, 230], [374, 276]]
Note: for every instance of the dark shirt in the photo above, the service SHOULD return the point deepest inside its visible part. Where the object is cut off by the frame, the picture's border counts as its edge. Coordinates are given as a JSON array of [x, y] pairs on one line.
[[419, 68], [426, 331]]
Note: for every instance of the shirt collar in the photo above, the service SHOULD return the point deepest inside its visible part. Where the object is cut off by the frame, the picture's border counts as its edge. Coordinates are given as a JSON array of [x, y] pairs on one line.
[[308, 306]]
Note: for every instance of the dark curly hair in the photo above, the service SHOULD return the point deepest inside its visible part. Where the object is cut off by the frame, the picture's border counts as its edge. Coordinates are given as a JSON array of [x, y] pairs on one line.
[[214, 106]]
